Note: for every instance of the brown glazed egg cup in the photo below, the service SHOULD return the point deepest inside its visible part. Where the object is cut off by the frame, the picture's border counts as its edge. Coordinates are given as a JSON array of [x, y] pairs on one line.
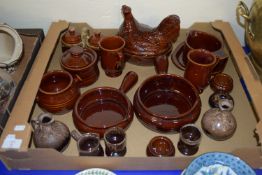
[[58, 92], [160, 146], [104, 107], [81, 63], [165, 102], [196, 39]]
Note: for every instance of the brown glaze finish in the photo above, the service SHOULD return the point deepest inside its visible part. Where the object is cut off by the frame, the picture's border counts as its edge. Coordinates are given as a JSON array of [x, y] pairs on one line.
[[160, 146], [199, 68], [49, 133], [93, 41], [58, 92], [103, 107], [200, 40], [222, 82], [88, 144], [115, 142], [70, 38], [81, 63], [189, 139], [112, 58], [143, 43], [166, 102]]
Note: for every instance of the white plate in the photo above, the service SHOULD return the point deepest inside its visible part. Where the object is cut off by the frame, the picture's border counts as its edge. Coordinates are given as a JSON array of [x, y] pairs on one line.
[[95, 171]]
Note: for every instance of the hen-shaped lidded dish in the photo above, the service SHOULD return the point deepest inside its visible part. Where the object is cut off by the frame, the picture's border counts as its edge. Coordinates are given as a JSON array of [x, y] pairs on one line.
[[143, 43]]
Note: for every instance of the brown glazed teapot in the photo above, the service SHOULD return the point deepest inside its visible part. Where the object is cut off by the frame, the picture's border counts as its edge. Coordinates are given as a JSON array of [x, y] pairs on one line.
[[253, 26]]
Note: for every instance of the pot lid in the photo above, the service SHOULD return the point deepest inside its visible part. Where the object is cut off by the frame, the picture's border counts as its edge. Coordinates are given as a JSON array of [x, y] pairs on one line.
[[71, 36], [76, 58]]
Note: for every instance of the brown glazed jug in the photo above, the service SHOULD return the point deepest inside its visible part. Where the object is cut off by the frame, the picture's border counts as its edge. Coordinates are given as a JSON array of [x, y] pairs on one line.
[[49, 133]]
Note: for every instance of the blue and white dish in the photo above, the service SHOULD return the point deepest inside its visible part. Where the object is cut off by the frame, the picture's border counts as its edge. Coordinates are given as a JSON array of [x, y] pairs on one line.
[[218, 163], [96, 171]]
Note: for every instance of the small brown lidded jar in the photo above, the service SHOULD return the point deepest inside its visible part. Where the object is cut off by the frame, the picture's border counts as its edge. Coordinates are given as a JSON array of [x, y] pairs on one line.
[[70, 38], [160, 146], [81, 63]]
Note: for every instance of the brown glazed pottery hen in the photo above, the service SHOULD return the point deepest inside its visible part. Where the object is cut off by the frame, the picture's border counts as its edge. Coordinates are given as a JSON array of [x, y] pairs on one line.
[[144, 43]]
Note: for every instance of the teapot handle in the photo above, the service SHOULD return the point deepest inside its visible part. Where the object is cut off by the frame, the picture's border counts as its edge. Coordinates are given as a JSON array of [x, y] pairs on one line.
[[76, 135], [242, 10], [35, 124]]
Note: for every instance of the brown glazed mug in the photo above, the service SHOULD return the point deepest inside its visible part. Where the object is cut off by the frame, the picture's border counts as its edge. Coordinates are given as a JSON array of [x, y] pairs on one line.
[[202, 40], [88, 144], [112, 58], [199, 67]]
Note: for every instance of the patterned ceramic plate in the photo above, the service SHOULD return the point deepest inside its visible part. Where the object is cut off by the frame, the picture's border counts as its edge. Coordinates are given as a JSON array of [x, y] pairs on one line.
[[218, 163], [96, 171]]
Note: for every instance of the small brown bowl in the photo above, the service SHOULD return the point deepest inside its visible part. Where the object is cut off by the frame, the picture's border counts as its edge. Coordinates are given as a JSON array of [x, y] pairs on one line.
[[101, 108], [222, 82], [160, 146], [58, 92], [81, 63]]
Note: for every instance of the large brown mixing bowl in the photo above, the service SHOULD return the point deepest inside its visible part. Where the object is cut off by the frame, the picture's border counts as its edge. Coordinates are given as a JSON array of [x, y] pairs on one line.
[[165, 102], [104, 107]]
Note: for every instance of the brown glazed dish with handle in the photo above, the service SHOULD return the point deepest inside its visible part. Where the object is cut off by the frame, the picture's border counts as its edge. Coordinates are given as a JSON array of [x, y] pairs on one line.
[[165, 102], [104, 107], [81, 63], [143, 43], [58, 92]]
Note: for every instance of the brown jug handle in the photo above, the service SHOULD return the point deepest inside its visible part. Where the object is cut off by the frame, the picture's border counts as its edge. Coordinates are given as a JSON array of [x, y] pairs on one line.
[[128, 82], [76, 135], [77, 79], [161, 64]]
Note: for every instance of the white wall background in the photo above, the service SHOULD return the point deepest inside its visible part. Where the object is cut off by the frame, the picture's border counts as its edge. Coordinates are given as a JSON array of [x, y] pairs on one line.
[[107, 14]]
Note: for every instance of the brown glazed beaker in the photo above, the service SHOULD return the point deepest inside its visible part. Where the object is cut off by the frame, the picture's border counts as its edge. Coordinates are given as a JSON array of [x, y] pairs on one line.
[[199, 68], [112, 57]]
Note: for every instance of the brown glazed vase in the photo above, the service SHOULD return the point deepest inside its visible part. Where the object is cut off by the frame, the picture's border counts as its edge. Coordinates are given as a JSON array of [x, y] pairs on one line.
[[70, 38], [49, 133], [101, 108], [199, 68], [165, 102], [81, 63], [58, 92]]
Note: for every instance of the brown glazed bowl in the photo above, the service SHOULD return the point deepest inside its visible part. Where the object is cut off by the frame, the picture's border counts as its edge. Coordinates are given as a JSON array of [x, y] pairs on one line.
[[81, 63], [160, 146], [222, 82], [165, 102], [104, 107], [58, 92]]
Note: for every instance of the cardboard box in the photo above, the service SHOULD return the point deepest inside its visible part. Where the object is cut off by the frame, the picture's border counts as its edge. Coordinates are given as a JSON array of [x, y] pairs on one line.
[[23, 155]]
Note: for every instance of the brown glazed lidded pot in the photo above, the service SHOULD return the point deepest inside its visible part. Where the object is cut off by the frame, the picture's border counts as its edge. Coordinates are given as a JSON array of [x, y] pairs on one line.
[[219, 123], [81, 63], [58, 92], [70, 38], [49, 133]]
